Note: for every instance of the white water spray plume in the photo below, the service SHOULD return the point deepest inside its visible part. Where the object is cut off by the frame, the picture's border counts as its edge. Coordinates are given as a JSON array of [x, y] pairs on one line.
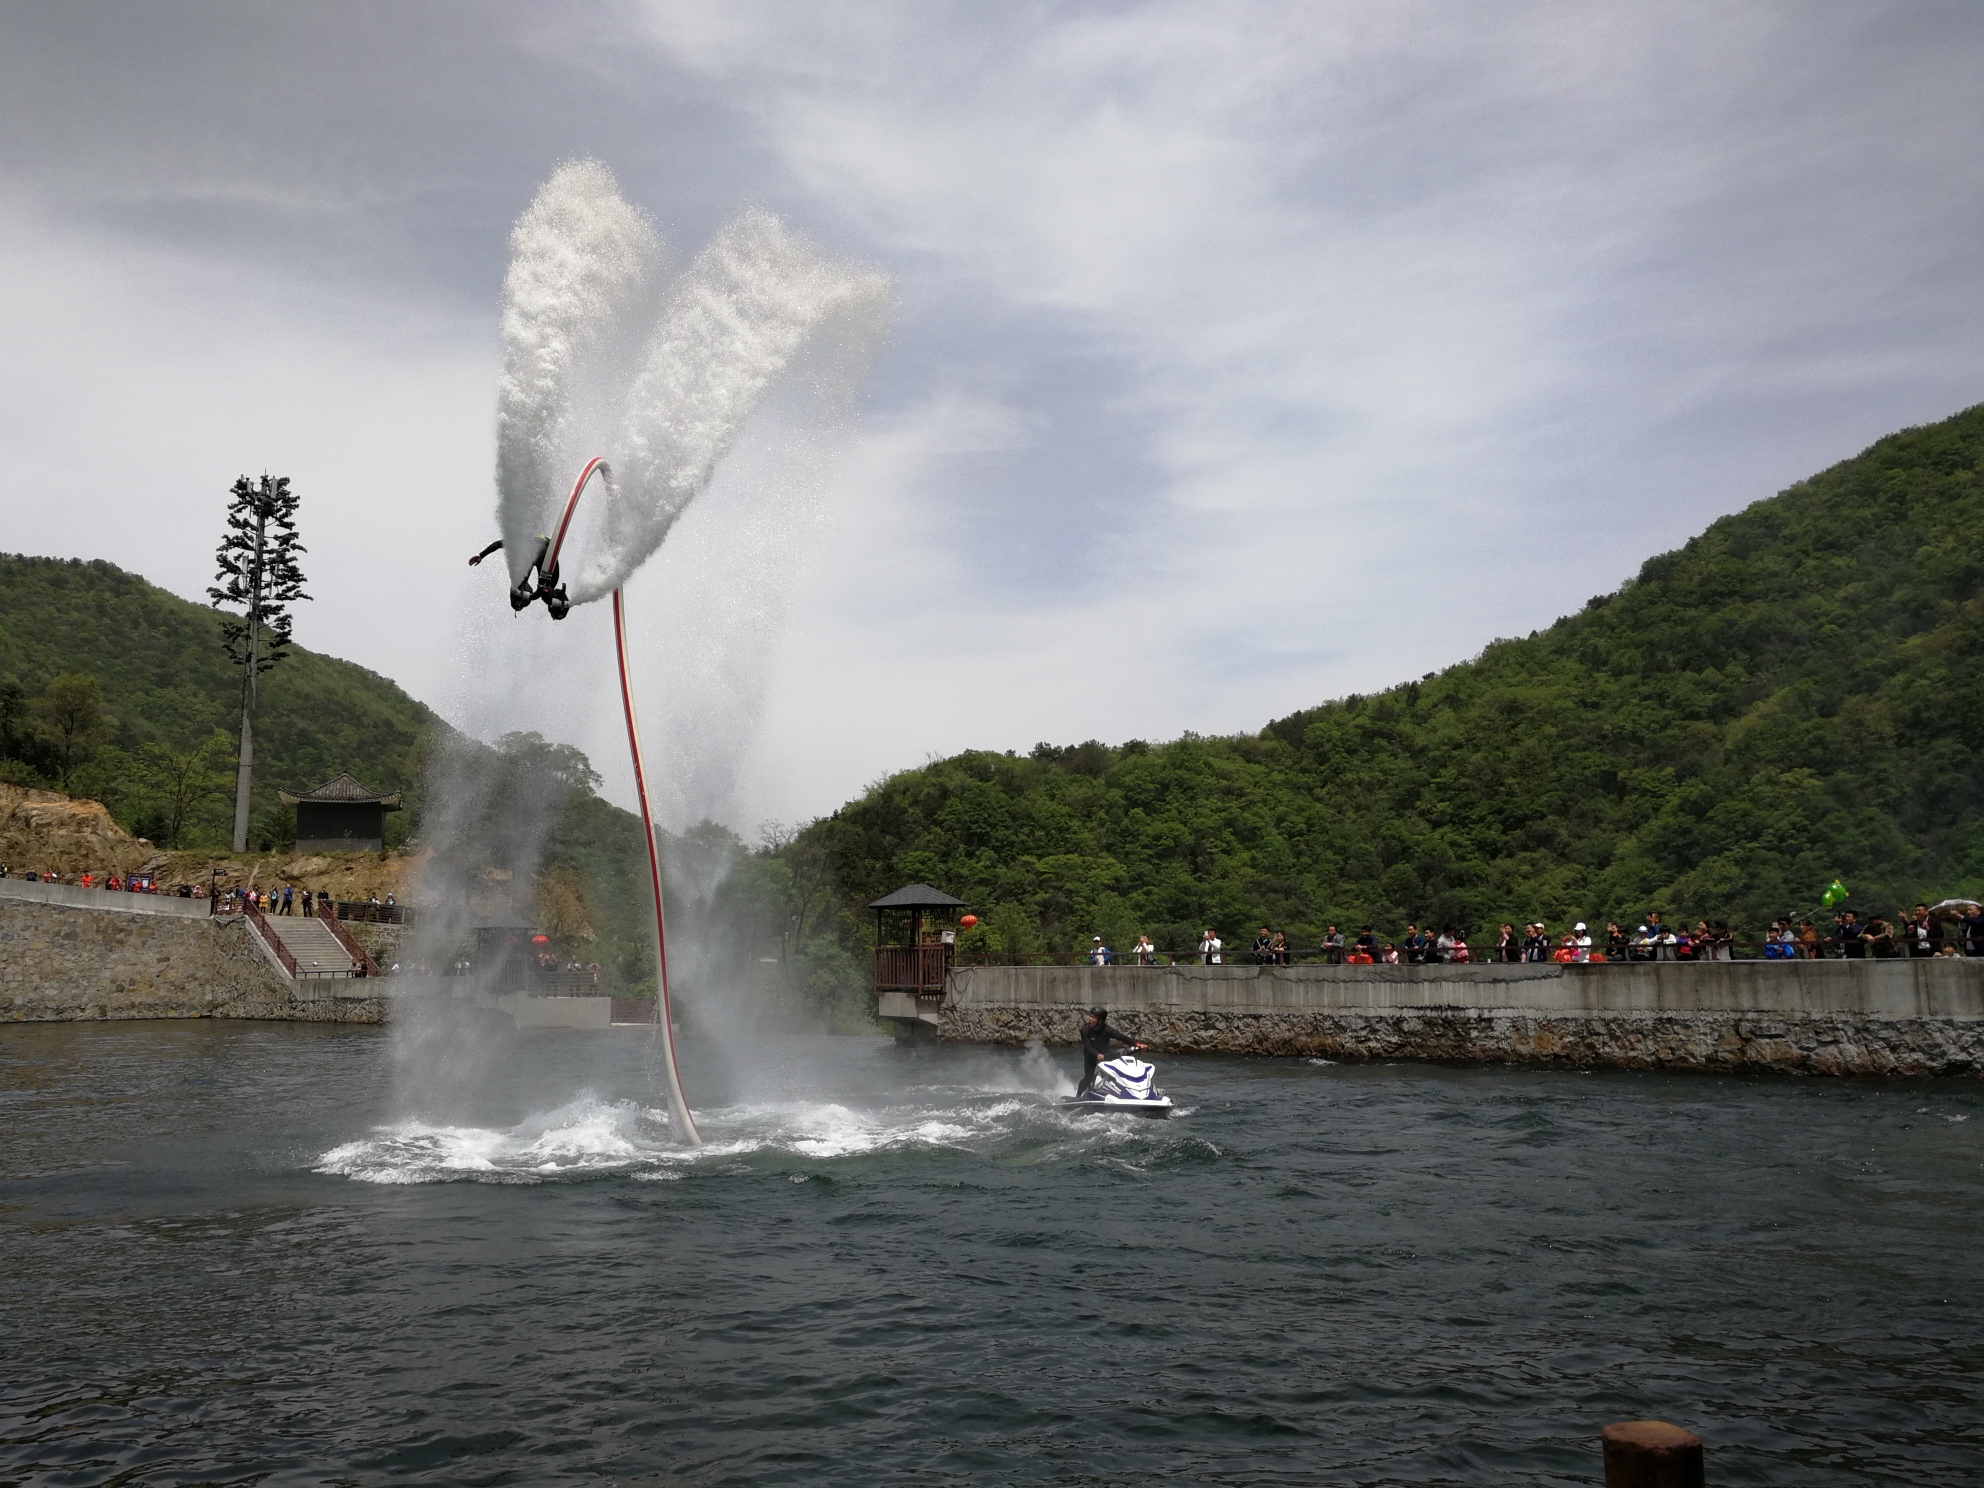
[[581, 259], [586, 264]]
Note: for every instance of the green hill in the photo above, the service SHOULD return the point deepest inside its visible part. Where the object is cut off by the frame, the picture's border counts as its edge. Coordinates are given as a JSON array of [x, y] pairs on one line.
[[1795, 694], [166, 681], [167, 687]]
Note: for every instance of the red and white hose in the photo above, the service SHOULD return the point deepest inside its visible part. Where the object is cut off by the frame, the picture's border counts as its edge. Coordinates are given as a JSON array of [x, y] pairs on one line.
[[678, 1104]]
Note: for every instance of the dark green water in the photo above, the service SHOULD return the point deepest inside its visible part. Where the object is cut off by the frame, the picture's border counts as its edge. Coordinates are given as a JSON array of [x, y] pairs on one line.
[[230, 1257]]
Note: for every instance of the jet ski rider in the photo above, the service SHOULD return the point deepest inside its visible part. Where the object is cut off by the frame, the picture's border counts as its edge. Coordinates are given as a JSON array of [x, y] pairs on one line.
[[1096, 1038]]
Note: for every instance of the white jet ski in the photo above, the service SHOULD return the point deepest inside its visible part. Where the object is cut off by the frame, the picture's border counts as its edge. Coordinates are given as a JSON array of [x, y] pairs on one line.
[[1125, 1083]]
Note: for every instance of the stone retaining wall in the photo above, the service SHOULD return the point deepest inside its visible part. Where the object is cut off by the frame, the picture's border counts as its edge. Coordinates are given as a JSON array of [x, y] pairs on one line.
[[60, 964], [1866, 1017]]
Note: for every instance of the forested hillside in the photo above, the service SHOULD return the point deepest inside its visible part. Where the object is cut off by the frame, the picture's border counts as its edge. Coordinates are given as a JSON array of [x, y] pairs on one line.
[[152, 736], [1794, 695], [166, 688]]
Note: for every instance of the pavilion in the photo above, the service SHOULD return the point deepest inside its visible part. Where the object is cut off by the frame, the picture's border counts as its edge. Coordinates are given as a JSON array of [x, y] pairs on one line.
[[340, 816]]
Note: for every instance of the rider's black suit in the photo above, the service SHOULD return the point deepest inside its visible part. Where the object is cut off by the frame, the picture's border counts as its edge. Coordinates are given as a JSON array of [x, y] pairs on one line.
[[1096, 1038]]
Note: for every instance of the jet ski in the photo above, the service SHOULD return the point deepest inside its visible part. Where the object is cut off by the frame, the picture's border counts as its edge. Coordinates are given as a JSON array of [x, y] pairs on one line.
[[1124, 1083]]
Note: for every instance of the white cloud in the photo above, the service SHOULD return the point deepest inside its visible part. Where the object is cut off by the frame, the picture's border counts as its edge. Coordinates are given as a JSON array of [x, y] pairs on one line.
[[145, 380], [1247, 354], [1411, 313]]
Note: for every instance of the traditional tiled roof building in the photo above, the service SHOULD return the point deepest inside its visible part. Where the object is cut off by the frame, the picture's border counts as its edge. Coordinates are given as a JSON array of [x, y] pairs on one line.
[[340, 816]]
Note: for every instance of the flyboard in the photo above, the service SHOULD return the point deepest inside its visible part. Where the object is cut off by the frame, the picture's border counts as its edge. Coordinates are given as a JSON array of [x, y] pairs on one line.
[[1125, 1085], [553, 594]]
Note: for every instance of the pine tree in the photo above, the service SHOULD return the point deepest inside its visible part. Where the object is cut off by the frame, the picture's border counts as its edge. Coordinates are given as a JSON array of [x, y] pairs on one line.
[[259, 576]]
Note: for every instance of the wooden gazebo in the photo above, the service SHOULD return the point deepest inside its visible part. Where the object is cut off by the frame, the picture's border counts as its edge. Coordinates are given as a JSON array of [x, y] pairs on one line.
[[912, 948]]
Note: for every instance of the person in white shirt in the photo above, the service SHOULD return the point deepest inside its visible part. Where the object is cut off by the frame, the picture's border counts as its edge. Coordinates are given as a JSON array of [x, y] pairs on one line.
[[1098, 953], [1209, 949], [1581, 942], [1146, 952]]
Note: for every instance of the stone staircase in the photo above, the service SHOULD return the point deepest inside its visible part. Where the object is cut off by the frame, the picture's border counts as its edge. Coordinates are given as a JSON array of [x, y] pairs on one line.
[[311, 942]]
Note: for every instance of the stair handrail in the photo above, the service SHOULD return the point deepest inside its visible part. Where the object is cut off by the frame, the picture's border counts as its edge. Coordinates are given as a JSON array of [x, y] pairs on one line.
[[366, 965], [270, 939]]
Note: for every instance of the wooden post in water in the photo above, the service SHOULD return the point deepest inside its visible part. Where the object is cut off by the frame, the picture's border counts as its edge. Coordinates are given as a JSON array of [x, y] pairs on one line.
[[1651, 1454]]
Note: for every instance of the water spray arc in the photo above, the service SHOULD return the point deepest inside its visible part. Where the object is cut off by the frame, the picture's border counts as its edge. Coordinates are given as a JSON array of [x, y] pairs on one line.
[[547, 567], [607, 349]]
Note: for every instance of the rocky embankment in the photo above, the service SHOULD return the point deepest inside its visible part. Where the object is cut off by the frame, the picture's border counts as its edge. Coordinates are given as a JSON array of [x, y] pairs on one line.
[[1811, 1017]]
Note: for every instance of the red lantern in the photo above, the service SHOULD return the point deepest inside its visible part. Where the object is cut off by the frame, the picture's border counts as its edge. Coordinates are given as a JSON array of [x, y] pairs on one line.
[[540, 940], [968, 921]]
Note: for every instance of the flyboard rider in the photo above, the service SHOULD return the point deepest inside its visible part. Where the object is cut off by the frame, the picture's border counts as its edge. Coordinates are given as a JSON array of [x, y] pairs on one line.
[[547, 587], [1096, 1038]]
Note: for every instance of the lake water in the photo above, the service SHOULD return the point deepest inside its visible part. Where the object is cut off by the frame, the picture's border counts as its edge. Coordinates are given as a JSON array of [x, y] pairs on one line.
[[295, 1254]]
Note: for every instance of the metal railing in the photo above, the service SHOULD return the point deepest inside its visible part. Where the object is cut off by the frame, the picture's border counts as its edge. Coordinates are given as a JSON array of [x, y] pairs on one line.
[[260, 926], [523, 974], [366, 965], [1602, 955], [365, 911]]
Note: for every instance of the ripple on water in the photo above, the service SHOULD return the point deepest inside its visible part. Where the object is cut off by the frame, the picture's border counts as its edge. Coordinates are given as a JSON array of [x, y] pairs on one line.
[[897, 1268]]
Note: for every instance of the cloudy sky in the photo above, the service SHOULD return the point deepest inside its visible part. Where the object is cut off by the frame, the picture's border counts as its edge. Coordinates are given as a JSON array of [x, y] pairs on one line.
[[1243, 356]]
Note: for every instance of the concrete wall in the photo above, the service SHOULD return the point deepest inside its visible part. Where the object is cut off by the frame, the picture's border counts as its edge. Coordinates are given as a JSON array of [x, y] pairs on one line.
[[59, 963], [1836, 1017], [152, 904]]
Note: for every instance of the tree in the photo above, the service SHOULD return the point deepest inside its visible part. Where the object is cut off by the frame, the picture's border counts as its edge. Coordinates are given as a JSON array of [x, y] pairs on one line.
[[70, 711], [16, 735], [14, 716], [796, 874], [178, 781], [258, 574]]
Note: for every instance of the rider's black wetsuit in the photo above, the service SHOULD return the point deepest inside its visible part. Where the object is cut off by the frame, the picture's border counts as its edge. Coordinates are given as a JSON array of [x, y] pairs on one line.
[[547, 587], [1096, 1038]]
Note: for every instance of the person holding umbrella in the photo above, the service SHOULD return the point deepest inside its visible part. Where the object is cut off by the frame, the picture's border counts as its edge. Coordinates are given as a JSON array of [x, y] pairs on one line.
[[1969, 918]]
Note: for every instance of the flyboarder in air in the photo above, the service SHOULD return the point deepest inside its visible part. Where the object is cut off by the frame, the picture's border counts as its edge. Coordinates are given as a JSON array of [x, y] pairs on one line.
[[547, 587]]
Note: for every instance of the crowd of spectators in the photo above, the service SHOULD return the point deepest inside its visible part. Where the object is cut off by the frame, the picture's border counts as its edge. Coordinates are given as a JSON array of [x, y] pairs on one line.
[[1954, 928], [284, 899], [110, 881]]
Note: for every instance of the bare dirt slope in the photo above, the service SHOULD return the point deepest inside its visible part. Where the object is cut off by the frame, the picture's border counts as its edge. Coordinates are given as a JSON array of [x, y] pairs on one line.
[[46, 832]]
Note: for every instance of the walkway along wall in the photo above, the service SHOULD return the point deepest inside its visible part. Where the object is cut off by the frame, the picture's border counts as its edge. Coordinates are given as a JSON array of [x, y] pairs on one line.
[[1817, 1017], [61, 962]]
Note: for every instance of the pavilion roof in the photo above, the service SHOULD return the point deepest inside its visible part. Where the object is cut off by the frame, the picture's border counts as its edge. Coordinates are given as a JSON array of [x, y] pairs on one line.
[[917, 896], [342, 790]]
